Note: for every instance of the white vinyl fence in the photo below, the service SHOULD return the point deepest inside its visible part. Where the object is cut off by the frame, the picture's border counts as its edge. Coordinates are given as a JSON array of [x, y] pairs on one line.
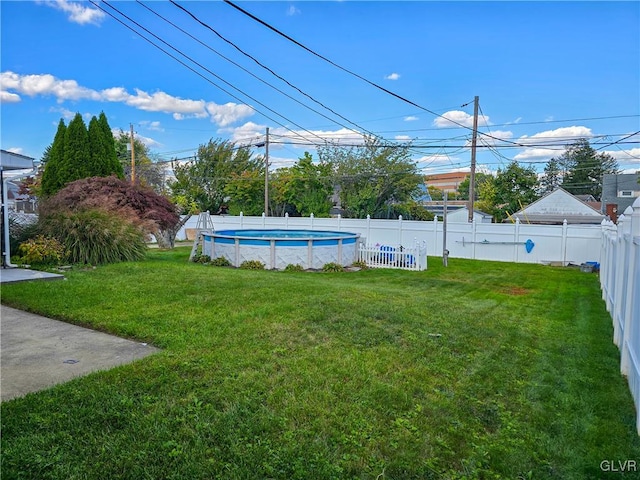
[[620, 281], [513, 242]]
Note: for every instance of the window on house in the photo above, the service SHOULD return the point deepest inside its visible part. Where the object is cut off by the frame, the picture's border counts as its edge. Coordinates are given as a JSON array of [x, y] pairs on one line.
[[625, 193]]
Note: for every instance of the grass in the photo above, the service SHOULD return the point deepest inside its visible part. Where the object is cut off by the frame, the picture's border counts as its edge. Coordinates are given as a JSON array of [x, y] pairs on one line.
[[480, 370]]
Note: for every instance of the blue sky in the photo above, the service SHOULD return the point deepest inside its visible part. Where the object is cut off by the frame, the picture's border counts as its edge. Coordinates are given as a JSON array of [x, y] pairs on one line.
[[546, 73]]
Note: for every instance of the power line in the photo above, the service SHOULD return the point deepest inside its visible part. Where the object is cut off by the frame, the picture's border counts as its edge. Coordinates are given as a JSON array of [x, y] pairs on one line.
[[207, 26], [256, 76], [200, 65], [373, 84]]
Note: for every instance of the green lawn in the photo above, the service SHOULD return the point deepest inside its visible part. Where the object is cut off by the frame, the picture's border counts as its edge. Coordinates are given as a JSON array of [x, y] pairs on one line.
[[480, 370]]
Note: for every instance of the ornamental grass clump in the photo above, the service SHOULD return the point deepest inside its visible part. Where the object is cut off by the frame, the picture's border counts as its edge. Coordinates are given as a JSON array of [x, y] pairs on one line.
[[96, 237]]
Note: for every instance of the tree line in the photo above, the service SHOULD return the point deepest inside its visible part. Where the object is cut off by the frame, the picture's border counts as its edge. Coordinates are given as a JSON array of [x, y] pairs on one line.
[[375, 178]]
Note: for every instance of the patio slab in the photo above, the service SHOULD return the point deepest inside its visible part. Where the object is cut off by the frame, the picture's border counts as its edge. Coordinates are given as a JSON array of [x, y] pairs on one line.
[[38, 352]]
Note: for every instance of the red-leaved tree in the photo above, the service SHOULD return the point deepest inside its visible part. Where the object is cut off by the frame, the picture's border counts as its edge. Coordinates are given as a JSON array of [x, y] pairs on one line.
[[144, 208]]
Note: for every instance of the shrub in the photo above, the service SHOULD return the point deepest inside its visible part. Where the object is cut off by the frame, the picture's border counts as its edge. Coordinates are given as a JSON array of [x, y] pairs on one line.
[[332, 267], [20, 230], [141, 206], [360, 264], [220, 262], [252, 265], [294, 268], [96, 237], [41, 250], [204, 259]]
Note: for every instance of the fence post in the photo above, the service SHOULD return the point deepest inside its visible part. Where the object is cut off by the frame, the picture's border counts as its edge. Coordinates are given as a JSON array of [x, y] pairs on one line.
[[516, 236], [286, 220], [368, 228], [631, 261], [339, 222], [399, 230], [563, 242], [474, 236], [264, 217], [435, 235], [241, 219], [311, 219]]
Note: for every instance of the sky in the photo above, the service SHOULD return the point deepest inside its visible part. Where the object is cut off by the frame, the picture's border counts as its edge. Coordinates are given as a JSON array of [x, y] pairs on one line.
[[545, 74]]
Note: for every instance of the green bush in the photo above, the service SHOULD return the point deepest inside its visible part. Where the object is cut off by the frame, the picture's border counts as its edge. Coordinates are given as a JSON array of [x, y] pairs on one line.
[[360, 264], [20, 232], [294, 268], [204, 259], [41, 250], [332, 267], [220, 262], [96, 237], [252, 265]]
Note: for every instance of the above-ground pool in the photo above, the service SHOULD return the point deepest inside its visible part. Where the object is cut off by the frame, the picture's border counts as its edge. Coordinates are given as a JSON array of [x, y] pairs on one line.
[[278, 248]]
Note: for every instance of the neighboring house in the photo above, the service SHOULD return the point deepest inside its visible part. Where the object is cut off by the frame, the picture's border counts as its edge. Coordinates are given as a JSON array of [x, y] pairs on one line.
[[556, 207], [17, 202], [9, 161], [462, 216], [619, 192]]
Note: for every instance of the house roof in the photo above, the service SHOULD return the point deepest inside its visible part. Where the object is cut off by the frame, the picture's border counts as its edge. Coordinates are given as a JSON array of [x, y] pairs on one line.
[[557, 206], [14, 161]]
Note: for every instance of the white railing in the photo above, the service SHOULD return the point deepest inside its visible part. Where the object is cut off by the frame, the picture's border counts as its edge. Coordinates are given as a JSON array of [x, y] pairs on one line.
[[620, 282], [387, 256]]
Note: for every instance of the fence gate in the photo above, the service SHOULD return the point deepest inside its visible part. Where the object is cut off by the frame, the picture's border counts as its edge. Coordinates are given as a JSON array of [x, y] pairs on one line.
[[387, 256]]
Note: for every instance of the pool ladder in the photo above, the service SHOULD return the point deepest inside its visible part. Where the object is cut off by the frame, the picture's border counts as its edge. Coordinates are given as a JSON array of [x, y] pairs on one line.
[[204, 225]]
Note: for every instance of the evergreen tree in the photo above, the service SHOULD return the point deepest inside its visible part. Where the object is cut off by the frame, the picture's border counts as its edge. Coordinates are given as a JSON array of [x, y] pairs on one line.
[[585, 168], [98, 155], [113, 165], [51, 181], [76, 151], [552, 177]]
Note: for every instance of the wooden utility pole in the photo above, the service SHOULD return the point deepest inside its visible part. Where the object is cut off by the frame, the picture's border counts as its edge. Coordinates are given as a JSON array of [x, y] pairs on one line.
[[472, 179], [133, 158], [266, 174]]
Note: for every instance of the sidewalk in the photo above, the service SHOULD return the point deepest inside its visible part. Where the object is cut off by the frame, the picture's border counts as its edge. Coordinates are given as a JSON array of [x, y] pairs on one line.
[[37, 352]]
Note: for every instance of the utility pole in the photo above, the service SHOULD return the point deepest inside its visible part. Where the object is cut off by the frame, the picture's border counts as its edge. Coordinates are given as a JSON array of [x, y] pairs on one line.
[[266, 174], [133, 158], [474, 138]]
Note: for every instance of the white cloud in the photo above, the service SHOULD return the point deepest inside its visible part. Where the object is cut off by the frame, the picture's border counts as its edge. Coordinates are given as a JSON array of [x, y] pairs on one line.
[[244, 134], [293, 10], [411, 118], [534, 154], [18, 150], [630, 156], [403, 138], [392, 76], [228, 113], [457, 118], [538, 151], [155, 126], [163, 102], [149, 142], [568, 134], [77, 12], [14, 84], [33, 85], [66, 113], [8, 97]]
